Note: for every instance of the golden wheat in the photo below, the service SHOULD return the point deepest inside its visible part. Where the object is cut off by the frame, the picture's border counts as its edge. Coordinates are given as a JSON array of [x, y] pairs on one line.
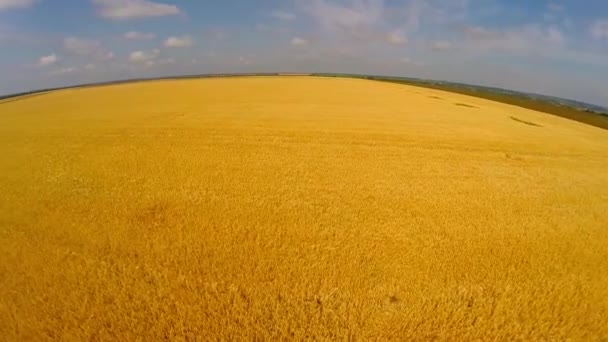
[[302, 207]]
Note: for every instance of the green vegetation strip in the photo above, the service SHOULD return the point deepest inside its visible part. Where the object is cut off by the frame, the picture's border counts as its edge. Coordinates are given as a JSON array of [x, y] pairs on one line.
[[587, 117], [584, 116]]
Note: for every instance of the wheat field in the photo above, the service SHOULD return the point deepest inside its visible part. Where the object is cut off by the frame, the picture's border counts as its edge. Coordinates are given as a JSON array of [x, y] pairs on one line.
[[290, 208]]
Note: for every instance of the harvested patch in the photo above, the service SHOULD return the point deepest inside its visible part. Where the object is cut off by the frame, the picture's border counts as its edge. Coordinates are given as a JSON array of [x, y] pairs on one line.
[[525, 122], [513, 156], [465, 105]]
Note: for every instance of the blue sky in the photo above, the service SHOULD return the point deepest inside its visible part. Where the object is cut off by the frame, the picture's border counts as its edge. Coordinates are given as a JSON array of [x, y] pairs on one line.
[[554, 47]]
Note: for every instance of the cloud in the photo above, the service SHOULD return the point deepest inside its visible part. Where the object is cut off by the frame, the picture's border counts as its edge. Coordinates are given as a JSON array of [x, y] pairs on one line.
[[441, 46], [48, 60], [134, 35], [149, 58], [179, 42], [379, 21], [358, 22], [416, 15], [599, 29], [64, 70], [555, 7], [282, 15], [133, 9], [16, 4], [478, 33], [216, 34], [521, 40], [555, 13], [396, 37], [297, 41], [87, 48], [20, 35], [245, 60], [410, 63], [352, 17], [143, 56]]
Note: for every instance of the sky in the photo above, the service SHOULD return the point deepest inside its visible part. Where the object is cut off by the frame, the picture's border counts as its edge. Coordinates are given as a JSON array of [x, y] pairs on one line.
[[553, 47]]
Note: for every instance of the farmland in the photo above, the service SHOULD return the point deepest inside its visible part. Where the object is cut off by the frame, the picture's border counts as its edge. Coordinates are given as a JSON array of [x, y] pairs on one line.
[[298, 207]]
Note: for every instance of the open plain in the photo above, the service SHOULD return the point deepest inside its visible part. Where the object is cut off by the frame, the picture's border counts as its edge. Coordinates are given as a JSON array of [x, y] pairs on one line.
[[298, 207]]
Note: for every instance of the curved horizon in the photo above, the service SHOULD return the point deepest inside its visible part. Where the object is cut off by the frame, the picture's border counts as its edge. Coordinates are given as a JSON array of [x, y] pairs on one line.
[[553, 47], [571, 102]]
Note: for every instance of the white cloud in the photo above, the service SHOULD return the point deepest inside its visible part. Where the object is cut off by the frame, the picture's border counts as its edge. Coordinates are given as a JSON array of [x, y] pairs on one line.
[[441, 46], [165, 61], [133, 9], [134, 35], [179, 42], [555, 13], [137, 56], [555, 7], [245, 60], [413, 64], [360, 23], [90, 66], [216, 34], [283, 15], [599, 29], [297, 41], [350, 17], [370, 18], [144, 57], [373, 21], [16, 4], [63, 71], [48, 60], [87, 48], [521, 40], [396, 37], [553, 35], [149, 58]]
